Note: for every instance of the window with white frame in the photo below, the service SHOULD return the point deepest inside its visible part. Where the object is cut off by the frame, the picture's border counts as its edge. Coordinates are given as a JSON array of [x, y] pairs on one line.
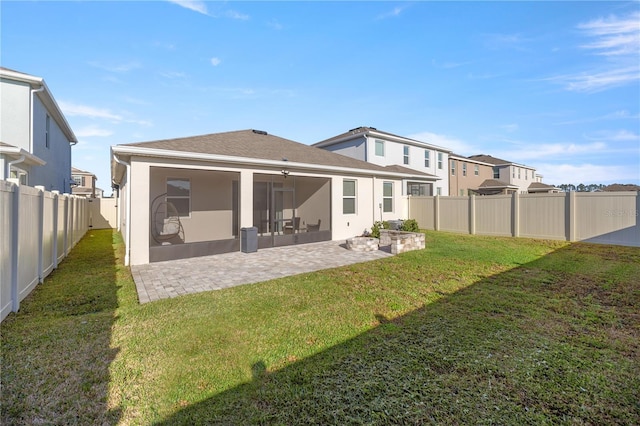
[[476, 170], [464, 169], [405, 154], [379, 148], [440, 161], [348, 196], [526, 174], [47, 131], [179, 195], [79, 180], [519, 170], [427, 158], [439, 191], [387, 197], [453, 167]]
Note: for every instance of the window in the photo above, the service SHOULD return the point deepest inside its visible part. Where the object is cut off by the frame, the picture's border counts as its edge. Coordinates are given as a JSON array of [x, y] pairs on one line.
[[348, 196], [379, 148], [406, 154], [519, 169], [526, 174], [79, 180], [496, 173], [179, 194], [476, 170], [513, 174], [464, 169], [453, 167], [462, 192], [416, 189], [47, 131], [387, 197], [440, 160], [427, 158], [439, 191]]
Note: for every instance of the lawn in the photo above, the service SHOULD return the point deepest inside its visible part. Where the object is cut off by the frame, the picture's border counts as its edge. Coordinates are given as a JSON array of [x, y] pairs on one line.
[[472, 329]]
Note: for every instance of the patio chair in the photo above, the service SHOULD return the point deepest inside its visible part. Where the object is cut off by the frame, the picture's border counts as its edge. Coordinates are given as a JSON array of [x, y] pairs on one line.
[[313, 227], [292, 227], [165, 221]]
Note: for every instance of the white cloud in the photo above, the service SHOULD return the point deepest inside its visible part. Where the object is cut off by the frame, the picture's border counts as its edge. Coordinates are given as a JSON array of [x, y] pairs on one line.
[[76, 110], [215, 61], [91, 131], [173, 74], [616, 115], [615, 136], [555, 150], [510, 127], [117, 68], [557, 174], [592, 82], [614, 35], [618, 40], [393, 13], [456, 145], [274, 24], [236, 15], [195, 5]]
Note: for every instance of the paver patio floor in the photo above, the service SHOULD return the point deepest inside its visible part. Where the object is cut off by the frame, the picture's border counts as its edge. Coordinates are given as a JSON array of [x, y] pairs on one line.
[[174, 278]]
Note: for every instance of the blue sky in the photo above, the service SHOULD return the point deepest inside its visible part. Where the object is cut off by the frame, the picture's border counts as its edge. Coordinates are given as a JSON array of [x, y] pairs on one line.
[[554, 85]]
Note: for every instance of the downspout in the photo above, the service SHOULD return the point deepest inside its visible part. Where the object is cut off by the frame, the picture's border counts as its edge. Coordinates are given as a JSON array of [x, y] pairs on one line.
[[33, 92], [127, 237]]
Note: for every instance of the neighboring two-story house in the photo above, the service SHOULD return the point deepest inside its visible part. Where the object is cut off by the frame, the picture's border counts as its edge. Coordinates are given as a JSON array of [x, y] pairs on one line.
[[84, 183], [36, 138], [466, 175], [389, 150], [508, 177]]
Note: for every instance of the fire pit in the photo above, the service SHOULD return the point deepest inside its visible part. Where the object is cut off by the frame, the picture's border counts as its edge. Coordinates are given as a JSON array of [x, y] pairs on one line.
[[363, 244]]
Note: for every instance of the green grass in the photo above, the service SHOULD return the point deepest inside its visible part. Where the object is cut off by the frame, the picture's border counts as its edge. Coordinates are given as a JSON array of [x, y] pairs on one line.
[[470, 330]]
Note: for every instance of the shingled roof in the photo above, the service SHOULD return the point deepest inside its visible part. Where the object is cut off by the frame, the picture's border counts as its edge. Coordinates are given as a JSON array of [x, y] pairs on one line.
[[489, 159], [260, 145]]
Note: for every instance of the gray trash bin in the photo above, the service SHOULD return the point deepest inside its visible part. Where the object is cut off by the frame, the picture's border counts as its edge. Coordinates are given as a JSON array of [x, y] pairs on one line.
[[249, 239], [395, 225]]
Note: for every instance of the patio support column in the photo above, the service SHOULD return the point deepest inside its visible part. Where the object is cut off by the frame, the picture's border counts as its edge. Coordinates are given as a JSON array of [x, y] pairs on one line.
[[246, 198]]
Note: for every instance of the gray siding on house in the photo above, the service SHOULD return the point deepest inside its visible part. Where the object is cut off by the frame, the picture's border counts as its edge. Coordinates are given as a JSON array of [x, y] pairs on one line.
[[56, 174], [355, 148], [14, 113]]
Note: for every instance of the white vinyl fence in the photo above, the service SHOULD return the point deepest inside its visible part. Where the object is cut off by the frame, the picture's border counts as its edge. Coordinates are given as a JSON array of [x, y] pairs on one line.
[[597, 217], [38, 229]]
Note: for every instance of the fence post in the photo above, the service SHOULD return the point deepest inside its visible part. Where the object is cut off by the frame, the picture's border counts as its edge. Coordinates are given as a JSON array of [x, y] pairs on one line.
[[436, 213], [66, 225], [515, 214], [571, 216], [40, 232], [472, 214], [15, 219], [56, 196]]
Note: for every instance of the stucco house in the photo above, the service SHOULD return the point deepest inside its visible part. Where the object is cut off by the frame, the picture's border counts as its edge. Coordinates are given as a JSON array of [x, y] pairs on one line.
[[195, 196], [386, 149], [84, 183], [36, 137], [466, 175], [507, 176]]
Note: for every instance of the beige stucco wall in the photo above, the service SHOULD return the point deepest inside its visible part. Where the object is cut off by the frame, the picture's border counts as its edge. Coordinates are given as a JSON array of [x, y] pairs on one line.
[[458, 182]]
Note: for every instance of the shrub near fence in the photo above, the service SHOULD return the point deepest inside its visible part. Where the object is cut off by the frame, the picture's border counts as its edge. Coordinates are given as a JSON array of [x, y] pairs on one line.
[[38, 229], [600, 217]]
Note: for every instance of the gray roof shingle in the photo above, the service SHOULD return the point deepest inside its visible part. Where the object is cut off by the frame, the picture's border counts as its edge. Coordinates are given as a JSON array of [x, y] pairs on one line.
[[257, 144]]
